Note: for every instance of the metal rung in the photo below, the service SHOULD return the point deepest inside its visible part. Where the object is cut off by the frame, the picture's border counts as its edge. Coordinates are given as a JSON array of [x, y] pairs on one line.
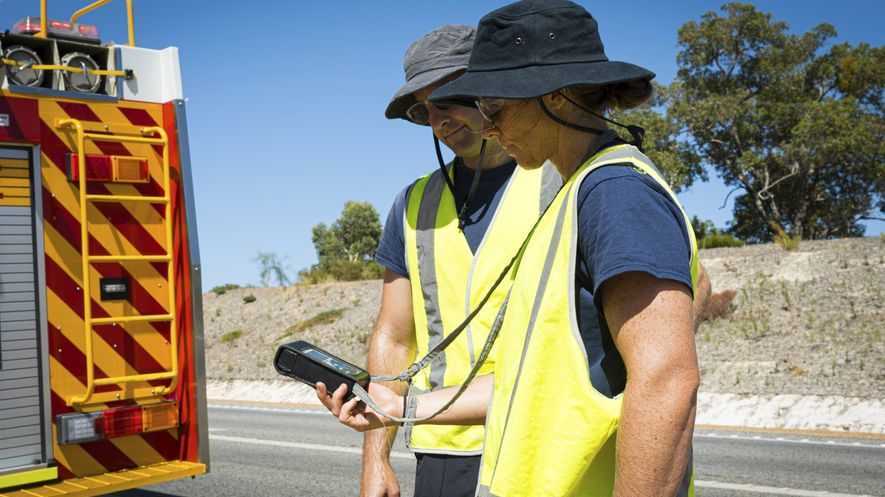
[[128, 258], [134, 378], [127, 198], [120, 138], [133, 319]]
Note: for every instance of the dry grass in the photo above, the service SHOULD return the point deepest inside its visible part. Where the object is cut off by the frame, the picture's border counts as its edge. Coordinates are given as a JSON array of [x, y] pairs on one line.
[[325, 317], [720, 305]]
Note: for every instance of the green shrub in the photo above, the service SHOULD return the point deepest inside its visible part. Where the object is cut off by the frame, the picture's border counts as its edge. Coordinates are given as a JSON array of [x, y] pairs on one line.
[[341, 270], [325, 317], [231, 336], [248, 299], [222, 289], [717, 240], [784, 240]]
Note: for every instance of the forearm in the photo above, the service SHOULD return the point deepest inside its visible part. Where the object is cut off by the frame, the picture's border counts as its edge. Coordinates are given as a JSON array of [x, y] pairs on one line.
[[387, 356], [469, 409], [654, 437]]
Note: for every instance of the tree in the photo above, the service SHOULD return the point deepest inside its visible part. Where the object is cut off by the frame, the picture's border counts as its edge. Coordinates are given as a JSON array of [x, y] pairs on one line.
[[797, 126], [346, 248], [271, 267]]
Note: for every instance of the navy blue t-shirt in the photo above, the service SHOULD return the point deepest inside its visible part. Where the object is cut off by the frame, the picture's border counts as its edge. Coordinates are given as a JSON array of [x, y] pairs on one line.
[[626, 222]]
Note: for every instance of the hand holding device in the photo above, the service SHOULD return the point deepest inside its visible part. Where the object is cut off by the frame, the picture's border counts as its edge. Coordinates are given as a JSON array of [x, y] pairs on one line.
[[310, 364]]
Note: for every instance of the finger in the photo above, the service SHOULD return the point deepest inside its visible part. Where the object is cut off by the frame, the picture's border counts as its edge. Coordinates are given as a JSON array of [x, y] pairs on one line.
[[326, 400], [347, 410], [339, 394]]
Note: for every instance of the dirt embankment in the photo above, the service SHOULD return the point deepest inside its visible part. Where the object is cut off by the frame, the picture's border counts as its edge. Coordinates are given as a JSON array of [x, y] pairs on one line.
[[807, 322]]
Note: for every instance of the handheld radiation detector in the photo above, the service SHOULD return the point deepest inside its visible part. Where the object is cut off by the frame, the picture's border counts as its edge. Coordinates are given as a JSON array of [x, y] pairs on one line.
[[310, 364]]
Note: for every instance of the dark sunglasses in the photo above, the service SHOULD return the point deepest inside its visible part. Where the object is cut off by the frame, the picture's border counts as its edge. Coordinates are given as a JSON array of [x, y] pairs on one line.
[[419, 112]]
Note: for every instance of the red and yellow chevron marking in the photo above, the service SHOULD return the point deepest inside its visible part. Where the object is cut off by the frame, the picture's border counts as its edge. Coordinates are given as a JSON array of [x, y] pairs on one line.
[[127, 228]]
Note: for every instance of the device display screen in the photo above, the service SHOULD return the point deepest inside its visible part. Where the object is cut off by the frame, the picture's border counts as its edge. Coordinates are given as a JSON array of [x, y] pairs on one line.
[[332, 362]]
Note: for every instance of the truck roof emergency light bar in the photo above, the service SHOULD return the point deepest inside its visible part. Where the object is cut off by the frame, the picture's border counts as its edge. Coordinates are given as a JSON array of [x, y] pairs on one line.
[[59, 29], [45, 24]]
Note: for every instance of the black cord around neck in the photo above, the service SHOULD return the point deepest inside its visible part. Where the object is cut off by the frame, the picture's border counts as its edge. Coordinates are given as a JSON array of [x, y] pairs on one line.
[[474, 185], [637, 132], [442, 166]]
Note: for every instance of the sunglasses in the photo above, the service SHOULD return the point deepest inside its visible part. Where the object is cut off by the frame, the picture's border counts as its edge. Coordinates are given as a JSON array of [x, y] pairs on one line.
[[419, 112]]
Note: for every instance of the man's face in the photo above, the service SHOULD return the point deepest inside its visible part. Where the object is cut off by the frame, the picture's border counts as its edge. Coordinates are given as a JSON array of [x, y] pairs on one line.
[[455, 125]]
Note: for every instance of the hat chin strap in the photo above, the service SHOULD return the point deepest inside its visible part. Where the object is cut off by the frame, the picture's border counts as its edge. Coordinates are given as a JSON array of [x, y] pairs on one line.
[[636, 132]]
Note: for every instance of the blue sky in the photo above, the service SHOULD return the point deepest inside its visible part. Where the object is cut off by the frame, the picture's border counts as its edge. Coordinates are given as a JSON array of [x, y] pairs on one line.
[[286, 101]]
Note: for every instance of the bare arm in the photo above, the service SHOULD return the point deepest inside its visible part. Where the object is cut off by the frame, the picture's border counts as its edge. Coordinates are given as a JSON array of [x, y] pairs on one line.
[[469, 409], [391, 349], [701, 295], [651, 321]]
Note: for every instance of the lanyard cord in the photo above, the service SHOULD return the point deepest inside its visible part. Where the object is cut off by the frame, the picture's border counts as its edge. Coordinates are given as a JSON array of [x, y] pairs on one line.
[[416, 367]]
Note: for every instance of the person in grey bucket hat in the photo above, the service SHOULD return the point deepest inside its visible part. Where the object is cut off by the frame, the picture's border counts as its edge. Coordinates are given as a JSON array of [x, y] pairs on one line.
[[441, 249], [435, 56]]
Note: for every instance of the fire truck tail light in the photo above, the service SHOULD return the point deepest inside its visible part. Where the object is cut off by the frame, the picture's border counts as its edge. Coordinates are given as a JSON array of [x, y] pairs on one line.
[[77, 428], [130, 169], [160, 417], [109, 168], [122, 421]]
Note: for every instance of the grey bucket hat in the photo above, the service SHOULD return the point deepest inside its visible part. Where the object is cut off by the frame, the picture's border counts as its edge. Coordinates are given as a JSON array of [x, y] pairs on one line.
[[436, 55]]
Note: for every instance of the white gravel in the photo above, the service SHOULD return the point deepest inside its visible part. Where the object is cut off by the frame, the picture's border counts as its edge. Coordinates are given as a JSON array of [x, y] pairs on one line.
[[798, 412]]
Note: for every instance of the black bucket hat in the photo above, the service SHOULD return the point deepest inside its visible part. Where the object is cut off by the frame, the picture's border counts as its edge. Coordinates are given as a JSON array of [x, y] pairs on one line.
[[535, 47], [436, 55]]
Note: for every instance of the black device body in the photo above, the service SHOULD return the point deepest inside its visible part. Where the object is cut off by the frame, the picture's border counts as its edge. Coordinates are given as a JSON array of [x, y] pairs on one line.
[[310, 364]]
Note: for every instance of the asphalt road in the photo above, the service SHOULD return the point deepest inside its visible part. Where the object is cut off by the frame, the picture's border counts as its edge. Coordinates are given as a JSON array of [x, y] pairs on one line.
[[276, 453]]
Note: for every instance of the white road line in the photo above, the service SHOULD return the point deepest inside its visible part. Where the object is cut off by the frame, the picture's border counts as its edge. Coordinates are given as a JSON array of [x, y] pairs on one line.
[[740, 487], [714, 435], [299, 445], [802, 441], [761, 489], [289, 410]]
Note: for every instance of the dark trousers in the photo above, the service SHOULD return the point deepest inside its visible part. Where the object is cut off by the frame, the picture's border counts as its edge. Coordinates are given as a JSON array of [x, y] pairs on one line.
[[440, 475]]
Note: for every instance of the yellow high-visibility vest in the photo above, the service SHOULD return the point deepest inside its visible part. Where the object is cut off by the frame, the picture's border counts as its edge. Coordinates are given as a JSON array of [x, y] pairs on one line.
[[549, 432], [448, 281]]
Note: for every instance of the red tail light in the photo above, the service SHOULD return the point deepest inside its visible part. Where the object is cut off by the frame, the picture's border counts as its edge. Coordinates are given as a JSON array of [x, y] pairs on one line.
[[122, 421], [75, 428]]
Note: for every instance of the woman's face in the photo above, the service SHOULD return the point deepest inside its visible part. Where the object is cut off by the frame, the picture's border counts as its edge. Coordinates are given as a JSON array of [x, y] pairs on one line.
[[519, 127]]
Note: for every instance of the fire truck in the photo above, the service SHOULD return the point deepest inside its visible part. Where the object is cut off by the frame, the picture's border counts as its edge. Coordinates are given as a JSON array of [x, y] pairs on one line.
[[102, 376]]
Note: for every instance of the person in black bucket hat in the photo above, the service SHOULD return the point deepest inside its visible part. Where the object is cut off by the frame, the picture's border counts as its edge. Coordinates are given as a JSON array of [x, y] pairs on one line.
[[595, 370], [432, 268]]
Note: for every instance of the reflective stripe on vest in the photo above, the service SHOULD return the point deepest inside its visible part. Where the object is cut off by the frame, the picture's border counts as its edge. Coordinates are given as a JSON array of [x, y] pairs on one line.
[[448, 281], [549, 433]]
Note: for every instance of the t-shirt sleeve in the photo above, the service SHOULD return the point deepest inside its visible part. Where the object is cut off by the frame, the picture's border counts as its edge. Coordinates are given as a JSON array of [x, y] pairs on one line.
[[391, 252], [628, 222]]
